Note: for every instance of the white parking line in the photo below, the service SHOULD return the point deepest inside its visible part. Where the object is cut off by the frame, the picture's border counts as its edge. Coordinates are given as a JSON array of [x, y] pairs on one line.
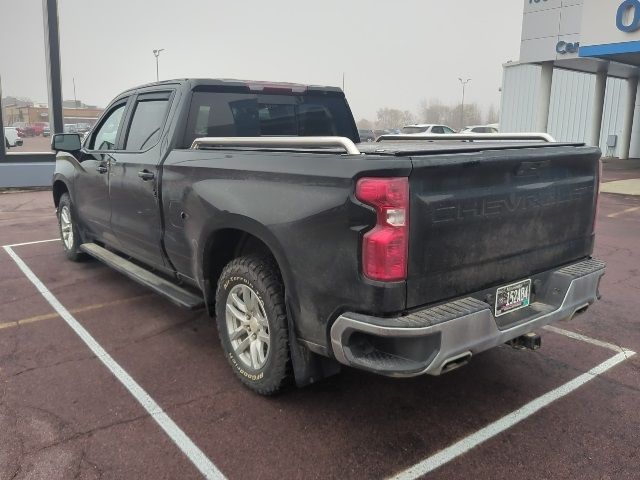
[[210, 471], [463, 446], [32, 243], [584, 338], [628, 210], [184, 443]]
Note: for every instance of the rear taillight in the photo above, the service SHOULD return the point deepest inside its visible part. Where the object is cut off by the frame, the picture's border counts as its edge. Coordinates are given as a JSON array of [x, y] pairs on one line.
[[385, 248]]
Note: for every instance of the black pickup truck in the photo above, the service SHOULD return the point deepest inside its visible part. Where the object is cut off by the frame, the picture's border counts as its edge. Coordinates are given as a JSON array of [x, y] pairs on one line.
[[258, 202]]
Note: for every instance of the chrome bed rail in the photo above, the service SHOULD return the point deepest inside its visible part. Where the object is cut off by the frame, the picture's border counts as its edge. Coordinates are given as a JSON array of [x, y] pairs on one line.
[[544, 137], [277, 142]]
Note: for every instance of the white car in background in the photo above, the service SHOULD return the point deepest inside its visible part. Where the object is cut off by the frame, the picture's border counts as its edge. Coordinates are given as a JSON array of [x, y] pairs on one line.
[[11, 137], [480, 129], [426, 129]]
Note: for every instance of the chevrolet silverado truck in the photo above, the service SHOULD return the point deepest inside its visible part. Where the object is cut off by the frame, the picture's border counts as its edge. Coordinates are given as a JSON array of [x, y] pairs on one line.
[[257, 202]]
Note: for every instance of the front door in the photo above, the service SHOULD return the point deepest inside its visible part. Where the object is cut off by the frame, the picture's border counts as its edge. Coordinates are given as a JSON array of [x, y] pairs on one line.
[[92, 184], [134, 180]]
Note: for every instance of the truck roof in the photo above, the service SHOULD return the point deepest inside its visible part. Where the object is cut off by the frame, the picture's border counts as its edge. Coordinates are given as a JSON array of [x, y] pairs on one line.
[[254, 85]]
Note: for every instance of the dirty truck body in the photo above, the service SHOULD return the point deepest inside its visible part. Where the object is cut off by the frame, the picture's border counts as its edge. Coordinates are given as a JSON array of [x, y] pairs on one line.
[[401, 257]]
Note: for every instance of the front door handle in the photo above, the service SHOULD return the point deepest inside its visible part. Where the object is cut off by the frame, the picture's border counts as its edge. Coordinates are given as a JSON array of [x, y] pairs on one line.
[[102, 169], [146, 175]]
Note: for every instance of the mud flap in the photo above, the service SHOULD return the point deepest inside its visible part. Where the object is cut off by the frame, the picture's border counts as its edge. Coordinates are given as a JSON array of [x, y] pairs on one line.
[[308, 367]]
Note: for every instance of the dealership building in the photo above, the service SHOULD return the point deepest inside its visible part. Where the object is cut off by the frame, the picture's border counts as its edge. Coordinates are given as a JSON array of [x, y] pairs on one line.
[[577, 77]]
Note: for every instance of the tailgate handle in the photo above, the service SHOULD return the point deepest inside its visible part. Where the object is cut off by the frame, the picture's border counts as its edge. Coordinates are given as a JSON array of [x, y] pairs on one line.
[[146, 175]]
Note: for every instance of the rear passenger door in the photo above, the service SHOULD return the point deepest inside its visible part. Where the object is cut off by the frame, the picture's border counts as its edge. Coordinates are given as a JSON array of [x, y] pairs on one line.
[[135, 208]]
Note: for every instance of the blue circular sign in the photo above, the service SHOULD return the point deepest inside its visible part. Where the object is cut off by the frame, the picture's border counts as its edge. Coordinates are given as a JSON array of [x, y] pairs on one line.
[[635, 21]]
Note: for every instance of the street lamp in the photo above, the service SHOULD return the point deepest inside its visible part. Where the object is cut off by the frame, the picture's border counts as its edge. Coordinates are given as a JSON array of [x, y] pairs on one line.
[[464, 86], [156, 53]]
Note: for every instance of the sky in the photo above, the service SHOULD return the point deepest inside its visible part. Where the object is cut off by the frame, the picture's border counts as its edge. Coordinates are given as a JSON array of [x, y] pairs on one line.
[[392, 53]]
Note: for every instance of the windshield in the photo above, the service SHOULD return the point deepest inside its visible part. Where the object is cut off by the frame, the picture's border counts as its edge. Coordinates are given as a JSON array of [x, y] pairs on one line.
[[222, 114], [411, 130]]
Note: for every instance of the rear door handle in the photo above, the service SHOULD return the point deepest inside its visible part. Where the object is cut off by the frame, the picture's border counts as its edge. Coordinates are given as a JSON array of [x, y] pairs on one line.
[[146, 175], [102, 169]]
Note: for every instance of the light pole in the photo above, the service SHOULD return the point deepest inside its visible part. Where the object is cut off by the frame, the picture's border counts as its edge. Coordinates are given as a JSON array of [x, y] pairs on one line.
[[464, 86], [156, 53]]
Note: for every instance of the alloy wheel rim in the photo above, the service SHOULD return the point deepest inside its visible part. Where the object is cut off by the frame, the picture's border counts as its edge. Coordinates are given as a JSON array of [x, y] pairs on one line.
[[66, 227], [248, 327]]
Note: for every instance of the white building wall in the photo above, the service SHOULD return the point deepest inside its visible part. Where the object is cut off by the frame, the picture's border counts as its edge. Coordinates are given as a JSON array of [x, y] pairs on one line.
[[635, 134], [571, 105], [519, 105], [570, 114], [547, 22], [612, 115]]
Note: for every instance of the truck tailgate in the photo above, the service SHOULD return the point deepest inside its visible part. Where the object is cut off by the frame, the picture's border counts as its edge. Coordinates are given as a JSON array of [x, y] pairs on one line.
[[487, 218]]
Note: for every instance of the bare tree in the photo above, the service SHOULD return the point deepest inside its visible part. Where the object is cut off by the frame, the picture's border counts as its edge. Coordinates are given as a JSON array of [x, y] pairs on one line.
[[435, 111], [493, 116], [365, 124], [391, 118]]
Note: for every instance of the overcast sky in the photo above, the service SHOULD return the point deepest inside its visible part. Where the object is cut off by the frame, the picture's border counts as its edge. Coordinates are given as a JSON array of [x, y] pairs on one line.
[[394, 53]]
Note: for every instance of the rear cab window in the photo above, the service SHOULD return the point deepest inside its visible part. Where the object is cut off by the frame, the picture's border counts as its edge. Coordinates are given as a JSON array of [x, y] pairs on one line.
[[237, 114], [148, 118]]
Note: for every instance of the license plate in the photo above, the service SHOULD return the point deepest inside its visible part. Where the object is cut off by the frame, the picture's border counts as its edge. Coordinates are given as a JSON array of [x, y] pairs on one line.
[[513, 297]]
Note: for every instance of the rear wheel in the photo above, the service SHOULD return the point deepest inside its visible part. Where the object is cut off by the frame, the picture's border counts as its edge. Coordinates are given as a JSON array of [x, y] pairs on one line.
[[69, 233], [252, 322]]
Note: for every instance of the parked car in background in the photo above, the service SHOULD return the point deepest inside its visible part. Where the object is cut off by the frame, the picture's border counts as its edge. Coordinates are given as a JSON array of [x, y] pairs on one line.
[[70, 128], [378, 133], [38, 127], [83, 128], [366, 135], [479, 129], [12, 139], [24, 129], [424, 129], [46, 131]]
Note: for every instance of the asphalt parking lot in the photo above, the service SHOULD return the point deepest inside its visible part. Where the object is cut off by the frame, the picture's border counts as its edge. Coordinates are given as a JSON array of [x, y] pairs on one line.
[[569, 410]]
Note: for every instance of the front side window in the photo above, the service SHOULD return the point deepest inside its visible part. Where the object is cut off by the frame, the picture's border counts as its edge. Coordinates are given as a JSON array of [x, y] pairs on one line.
[[105, 136], [437, 129], [146, 126]]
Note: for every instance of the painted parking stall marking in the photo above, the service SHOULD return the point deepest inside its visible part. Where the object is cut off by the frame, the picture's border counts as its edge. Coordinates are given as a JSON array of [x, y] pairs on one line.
[[31, 243], [493, 429], [623, 212], [181, 440], [208, 469]]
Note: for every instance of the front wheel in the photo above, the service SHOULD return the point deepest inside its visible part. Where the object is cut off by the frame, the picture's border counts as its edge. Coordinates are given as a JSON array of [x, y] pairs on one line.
[[69, 233], [252, 323]]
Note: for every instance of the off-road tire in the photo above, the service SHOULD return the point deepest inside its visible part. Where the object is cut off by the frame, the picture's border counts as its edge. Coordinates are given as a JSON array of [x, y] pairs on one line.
[[261, 274]]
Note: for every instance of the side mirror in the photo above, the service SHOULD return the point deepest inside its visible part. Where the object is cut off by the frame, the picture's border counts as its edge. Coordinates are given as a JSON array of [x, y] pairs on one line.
[[66, 142]]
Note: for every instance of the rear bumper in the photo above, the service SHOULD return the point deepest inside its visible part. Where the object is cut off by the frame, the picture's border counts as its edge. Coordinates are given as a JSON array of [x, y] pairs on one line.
[[431, 340]]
